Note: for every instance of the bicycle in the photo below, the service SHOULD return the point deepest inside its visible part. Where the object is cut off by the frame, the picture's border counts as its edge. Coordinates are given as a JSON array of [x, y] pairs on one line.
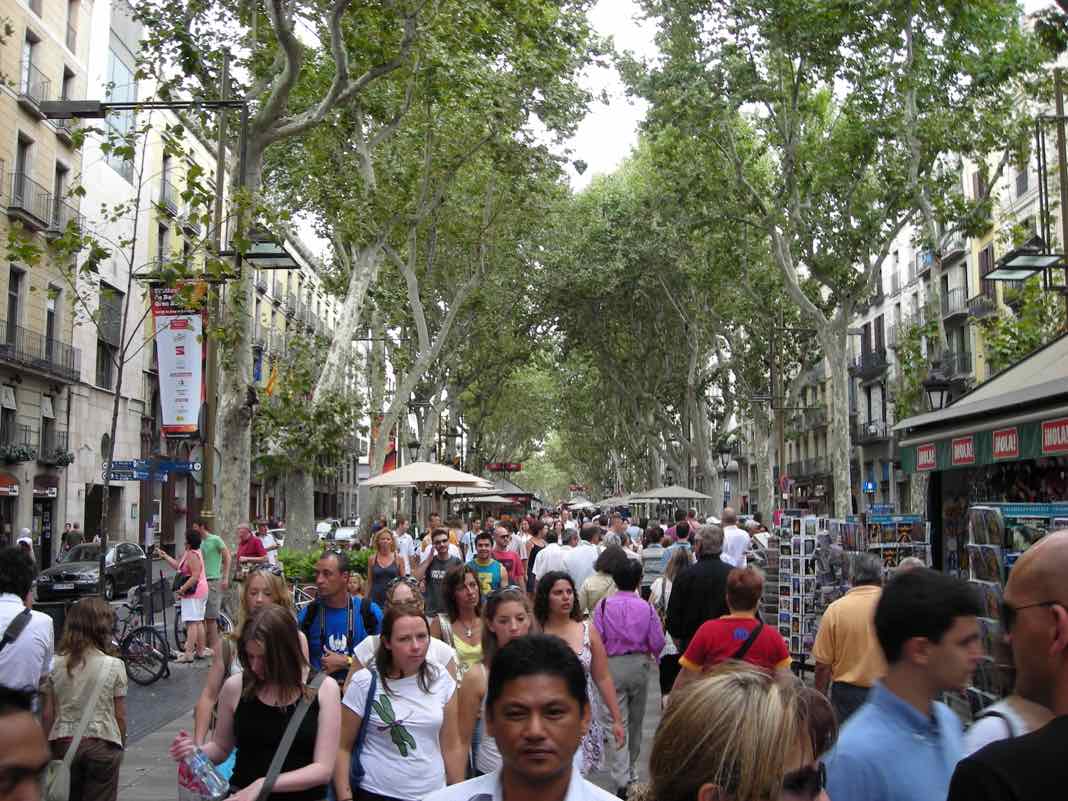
[[224, 621], [141, 647]]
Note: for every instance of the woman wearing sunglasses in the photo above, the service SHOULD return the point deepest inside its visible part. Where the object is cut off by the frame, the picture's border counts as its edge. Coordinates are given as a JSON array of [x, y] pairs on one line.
[[507, 615], [740, 735]]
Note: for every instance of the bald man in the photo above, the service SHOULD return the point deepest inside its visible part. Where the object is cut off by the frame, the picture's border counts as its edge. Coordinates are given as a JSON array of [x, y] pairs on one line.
[[1035, 620]]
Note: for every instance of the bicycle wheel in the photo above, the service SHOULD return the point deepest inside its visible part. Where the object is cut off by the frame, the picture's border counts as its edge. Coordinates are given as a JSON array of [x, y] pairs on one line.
[[226, 625], [179, 629], [145, 653]]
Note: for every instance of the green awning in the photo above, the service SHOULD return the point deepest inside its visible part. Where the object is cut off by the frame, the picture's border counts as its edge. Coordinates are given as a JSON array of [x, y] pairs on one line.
[[995, 444]]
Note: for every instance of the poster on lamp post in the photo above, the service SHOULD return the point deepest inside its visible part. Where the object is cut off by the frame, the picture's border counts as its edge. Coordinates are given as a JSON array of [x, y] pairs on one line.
[[179, 322]]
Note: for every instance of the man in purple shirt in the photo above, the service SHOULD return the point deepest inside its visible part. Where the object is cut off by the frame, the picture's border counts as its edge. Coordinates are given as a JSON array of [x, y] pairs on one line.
[[633, 639]]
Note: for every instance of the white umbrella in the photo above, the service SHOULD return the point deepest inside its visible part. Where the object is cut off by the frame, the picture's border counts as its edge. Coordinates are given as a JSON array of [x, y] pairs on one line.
[[428, 474], [614, 501], [581, 505], [674, 492]]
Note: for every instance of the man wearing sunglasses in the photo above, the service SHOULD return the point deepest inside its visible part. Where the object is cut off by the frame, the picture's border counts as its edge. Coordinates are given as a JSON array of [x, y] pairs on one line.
[[1035, 622], [902, 745], [24, 752]]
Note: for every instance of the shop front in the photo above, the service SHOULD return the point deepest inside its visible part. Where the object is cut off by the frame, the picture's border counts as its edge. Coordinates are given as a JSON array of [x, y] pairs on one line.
[[996, 466], [9, 496], [45, 496]]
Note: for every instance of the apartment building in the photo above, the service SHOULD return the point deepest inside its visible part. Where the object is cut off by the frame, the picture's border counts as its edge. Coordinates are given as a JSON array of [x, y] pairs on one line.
[[44, 59]]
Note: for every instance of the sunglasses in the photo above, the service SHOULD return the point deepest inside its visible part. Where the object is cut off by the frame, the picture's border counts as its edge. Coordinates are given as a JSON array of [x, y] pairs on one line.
[[411, 581], [497, 593], [807, 782], [1009, 612]]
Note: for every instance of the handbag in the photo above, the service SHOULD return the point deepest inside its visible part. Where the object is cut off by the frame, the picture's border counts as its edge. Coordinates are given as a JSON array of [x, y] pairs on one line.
[[288, 736], [356, 771], [57, 772]]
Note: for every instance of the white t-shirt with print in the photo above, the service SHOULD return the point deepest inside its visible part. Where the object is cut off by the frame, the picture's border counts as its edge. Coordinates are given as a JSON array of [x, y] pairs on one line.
[[401, 753], [268, 541]]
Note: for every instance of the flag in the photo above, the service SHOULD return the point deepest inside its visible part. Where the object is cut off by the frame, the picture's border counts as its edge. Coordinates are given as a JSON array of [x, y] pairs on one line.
[[272, 381]]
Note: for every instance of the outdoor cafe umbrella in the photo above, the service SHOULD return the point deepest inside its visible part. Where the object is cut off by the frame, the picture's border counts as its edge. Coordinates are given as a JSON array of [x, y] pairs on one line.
[[670, 493], [428, 475]]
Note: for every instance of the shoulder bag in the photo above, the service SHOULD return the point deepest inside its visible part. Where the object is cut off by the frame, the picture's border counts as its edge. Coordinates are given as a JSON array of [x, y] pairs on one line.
[[752, 638], [57, 773], [15, 628], [356, 771], [288, 737]]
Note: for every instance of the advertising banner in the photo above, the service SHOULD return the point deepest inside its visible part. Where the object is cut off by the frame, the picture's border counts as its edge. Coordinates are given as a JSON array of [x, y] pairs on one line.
[[179, 327]]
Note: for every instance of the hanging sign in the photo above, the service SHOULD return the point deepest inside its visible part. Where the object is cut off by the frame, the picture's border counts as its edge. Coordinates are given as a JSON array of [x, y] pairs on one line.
[[1055, 436], [1006, 444], [963, 450], [926, 457], [180, 350]]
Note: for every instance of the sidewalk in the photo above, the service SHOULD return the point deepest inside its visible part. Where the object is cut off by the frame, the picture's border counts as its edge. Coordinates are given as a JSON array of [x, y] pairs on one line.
[[148, 773]]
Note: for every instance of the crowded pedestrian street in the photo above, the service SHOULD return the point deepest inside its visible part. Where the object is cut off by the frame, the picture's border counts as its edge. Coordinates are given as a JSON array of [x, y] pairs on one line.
[[533, 400]]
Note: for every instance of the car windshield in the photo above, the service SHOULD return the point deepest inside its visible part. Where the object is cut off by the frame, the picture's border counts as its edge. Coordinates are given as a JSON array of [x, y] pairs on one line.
[[83, 553]]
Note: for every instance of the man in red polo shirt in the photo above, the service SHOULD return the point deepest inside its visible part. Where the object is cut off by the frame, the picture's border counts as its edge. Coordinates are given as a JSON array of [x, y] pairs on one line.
[[250, 550], [502, 539], [738, 635]]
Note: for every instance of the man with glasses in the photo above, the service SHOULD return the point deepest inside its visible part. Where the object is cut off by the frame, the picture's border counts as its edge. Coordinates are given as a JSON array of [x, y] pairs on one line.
[[503, 553], [433, 568], [902, 744], [1035, 622], [24, 752]]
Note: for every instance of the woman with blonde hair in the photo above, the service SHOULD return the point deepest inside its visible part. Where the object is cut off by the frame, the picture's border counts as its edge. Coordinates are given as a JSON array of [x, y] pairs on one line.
[[384, 565], [83, 662], [737, 734]]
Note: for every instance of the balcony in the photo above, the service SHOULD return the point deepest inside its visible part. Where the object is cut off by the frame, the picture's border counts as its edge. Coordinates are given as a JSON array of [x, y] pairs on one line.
[[168, 197], [16, 443], [924, 260], [870, 364], [30, 202], [259, 339], [954, 303], [64, 131], [33, 89], [982, 306], [64, 215], [816, 418], [54, 449], [190, 222], [870, 432], [34, 351], [261, 282], [72, 38], [957, 363], [276, 291], [952, 249], [290, 306]]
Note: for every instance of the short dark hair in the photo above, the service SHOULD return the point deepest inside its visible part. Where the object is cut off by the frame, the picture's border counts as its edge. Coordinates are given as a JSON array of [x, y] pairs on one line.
[[603, 520], [541, 595], [551, 536], [628, 575], [484, 535], [589, 532], [611, 557], [193, 539], [17, 571], [535, 527], [439, 532], [680, 515], [921, 603], [536, 655], [342, 559], [13, 701]]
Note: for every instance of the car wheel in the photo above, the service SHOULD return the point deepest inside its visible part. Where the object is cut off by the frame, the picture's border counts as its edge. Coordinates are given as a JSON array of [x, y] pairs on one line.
[[109, 589]]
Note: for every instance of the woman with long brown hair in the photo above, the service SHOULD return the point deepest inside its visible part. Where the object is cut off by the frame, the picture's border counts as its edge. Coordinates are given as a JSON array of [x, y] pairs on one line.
[[85, 658], [411, 746], [384, 565], [255, 707], [461, 624]]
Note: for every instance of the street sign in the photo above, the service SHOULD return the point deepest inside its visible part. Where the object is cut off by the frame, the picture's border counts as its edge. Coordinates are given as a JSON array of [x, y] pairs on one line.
[[869, 487], [179, 467], [134, 475]]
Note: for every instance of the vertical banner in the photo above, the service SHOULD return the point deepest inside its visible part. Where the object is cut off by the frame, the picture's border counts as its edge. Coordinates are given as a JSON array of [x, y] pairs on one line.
[[390, 461], [179, 327]]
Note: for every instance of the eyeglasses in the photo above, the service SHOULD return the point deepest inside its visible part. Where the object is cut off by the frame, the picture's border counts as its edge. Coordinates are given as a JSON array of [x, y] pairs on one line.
[[1009, 612], [497, 593], [807, 782]]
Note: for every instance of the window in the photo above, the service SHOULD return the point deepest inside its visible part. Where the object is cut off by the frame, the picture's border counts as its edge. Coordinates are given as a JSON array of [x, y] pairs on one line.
[[51, 320], [163, 234], [59, 193], [986, 265], [72, 25], [105, 364], [23, 168], [48, 425], [67, 91], [122, 88], [7, 414], [1022, 181], [14, 303], [109, 334], [880, 338], [978, 185]]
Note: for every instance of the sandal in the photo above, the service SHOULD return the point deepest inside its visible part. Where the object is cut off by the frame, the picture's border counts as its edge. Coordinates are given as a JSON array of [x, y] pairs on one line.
[[207, 653]]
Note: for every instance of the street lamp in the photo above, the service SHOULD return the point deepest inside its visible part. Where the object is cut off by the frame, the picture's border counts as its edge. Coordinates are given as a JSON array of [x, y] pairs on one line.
[[267, 252], [724, 455], [413, 454], [937, 387]]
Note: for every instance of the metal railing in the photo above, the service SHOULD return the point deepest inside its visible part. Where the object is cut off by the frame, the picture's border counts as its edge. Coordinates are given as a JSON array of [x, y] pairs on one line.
[[870, 362], [872, 431], [816, 417], [981, 306], [16, 434], [31, 349], [30, 198], [52, 445], [63, 214], [168, 196], [34, 86], [954, 302]]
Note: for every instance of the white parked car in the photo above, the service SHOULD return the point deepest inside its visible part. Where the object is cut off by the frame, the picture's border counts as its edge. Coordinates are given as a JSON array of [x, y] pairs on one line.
[[343, 534]]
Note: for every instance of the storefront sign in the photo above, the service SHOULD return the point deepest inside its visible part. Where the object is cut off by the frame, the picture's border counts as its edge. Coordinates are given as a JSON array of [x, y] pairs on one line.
[[963, 449], [179, 324], [926, 457], [1055, 436], [1006, 444]]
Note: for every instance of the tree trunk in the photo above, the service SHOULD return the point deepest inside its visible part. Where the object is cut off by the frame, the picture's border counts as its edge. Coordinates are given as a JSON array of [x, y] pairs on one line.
[[833, 340], [300, 510], [762, 451]]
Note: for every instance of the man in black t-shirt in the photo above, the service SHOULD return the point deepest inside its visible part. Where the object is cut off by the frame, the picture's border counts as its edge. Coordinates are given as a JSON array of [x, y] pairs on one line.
[[1035, 617], [434, 567]]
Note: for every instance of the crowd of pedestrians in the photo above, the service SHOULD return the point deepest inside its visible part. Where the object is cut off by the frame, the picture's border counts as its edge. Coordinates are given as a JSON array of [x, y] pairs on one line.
[[514, 662]]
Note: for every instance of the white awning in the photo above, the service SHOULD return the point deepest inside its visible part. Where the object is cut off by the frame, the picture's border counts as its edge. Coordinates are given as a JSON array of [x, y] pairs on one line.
[[7, 397], [47, 411]]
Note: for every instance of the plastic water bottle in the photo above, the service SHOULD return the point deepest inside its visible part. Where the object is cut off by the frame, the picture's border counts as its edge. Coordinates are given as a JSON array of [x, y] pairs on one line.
[[198, 776]]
